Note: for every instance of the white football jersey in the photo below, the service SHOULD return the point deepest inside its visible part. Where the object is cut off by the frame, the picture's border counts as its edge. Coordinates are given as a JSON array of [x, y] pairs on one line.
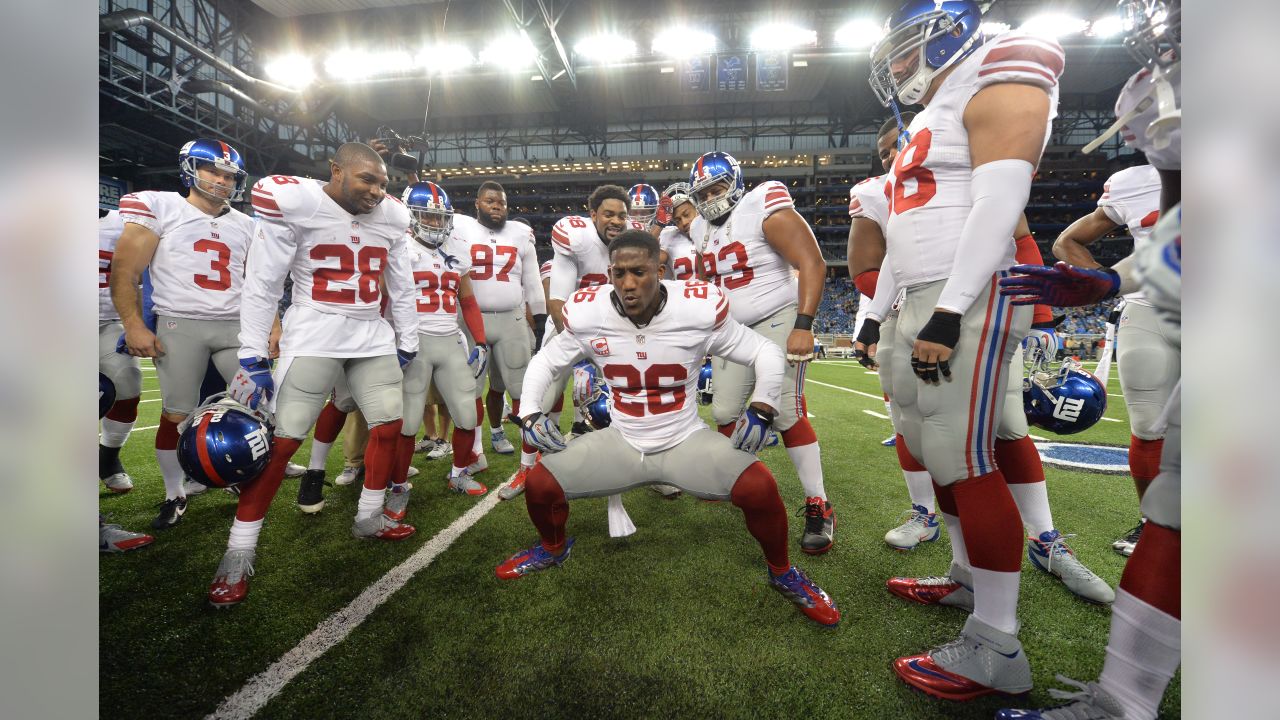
[[198, 267], [109, 228], [652, 372], [737, 257], [1139, 89], [581, 257], [504, 264], [682, 258], [1131, 198], [338, 262], [870, 199], [437, 276], [929, 183]]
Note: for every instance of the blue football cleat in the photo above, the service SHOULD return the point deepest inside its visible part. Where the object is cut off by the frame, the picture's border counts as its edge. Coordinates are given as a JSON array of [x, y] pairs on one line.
[[812, 600], [532, 560], [891, 442]]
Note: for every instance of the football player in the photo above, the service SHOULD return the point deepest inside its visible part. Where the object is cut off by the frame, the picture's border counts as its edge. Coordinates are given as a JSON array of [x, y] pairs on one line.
[[504, 277], [750, 242], [956, 192], [1149, 360], [647, 338], [678, 254], [193, 250], [1145, 646], [341, 241], [121, 369]]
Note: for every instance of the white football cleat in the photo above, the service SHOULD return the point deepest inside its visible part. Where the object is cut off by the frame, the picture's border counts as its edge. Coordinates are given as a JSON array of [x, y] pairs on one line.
[[347, 476], [920, 526], [191, 488], [1051, 554], [294, 470], [501, 445], [441, 450], [118, 483]]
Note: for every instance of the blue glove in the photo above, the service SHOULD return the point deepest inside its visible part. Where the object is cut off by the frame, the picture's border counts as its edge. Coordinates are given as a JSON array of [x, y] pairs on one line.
[[540, 432], [1044, 340], [1062, 285], [405, 357], [252, 384], [478, 360], [751, 432]]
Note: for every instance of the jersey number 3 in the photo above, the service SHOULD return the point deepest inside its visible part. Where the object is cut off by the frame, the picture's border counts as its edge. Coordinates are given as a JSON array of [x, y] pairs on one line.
[[909, 170]]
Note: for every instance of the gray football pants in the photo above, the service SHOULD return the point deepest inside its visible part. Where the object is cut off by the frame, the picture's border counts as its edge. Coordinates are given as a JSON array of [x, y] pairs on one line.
[[188, 346], [442, 361], [733, 383], [1162, 503], [510, 347], [1150, 365], [303, 385], [121, 368]]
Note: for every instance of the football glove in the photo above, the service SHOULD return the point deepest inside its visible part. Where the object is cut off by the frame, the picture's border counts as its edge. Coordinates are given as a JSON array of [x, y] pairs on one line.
[[1062, 285], [584, 384], [539, 431], [751, 432], [869, 335], [252, 384], [665, 214], [405, 357], [478, 360], [1044, 340]]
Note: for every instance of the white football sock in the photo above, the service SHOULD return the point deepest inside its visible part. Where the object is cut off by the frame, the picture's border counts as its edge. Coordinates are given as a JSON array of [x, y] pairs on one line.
[[920, 488], [808, 462], [370, 503], [1032, 500], [319, 454], [476, 446], [114, 432], [959, 553], [528, 459], [171, 471], [244, 535], [1143, 653], [995, 599]]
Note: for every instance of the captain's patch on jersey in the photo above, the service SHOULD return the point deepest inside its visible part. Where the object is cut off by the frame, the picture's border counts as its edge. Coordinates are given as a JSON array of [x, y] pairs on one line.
[[1091, 458]]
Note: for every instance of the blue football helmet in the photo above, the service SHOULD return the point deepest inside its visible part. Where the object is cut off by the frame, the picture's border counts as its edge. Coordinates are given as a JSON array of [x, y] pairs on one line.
[[106, 395], [644, 203], [923, 38], [1065, 399], [704, 384], [1153, 30], [712, 168], [224, 443], [220, 155], [598, 409], [432, 213]]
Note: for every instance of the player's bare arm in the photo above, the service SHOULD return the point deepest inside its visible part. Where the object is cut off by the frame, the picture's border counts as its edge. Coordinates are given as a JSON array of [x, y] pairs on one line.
[[866, 246], [273, 342], [1073, 244], [134, 251], [1170, 189], [792, 238]]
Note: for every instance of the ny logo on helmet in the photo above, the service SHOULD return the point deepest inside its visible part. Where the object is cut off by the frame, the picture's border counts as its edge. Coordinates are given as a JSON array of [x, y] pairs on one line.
[[1067, 408], [257, 439]]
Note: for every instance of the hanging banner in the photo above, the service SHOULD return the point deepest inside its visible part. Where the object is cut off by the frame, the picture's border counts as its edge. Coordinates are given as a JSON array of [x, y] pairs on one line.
[[771, 71], [731, 73], [695, 73], [110, 190]]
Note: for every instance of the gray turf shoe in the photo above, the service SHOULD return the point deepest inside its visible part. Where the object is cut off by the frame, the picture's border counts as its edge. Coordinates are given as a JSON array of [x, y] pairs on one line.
[[1087, 702], [397, 501], [983, 660], [118, 483], [1051, 554], [669, 492]]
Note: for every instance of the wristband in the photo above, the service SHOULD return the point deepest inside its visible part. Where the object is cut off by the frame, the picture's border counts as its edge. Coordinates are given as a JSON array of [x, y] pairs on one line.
[[943, 328], [804, 322], [870, 333]]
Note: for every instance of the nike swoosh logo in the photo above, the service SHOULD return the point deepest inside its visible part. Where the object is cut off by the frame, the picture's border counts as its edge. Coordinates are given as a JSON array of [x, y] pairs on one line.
[[777, 324], [180, 511]]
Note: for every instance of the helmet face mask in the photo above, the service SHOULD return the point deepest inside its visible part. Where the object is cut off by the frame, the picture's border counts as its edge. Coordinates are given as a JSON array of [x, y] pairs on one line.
[[1153, 30], [203, 152], [432, 213], [922, 39], [709, 170]]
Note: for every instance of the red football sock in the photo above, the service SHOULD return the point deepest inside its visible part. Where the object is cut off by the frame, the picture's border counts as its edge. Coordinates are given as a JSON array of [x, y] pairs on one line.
[[330, 423], [990, 522], [1154, 572], [906, 459], [256, 498], [725, 430], [463, 442], [798, 435], [755, 492], [946, 499], [380, 456], [404, 457], [547, 507], [1019, 461], [124, 411], [559, 405], [167, 434], [1144, 461]]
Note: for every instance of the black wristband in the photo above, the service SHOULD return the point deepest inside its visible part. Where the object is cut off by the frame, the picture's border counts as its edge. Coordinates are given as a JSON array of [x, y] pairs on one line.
[[539, 329], [804, 322], [870, 333], [1046, 325], [943, 328]]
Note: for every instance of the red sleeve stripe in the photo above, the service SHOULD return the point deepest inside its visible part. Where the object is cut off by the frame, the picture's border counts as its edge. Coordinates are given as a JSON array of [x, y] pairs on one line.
[[1025, 51], [776, 193], [722, 313], [562, 242], [136, 213], [264, 203], [778, 204], [1034, 70], [263, 191]]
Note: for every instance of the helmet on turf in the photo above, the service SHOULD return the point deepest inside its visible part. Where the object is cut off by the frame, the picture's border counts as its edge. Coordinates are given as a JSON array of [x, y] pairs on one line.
[[106, 395], [644, 203], [704, 384], [923, 38], [709, 169], [212, 152], [432, 213], [1153, 30], [597, 409], [224, 443], [1062, 397]]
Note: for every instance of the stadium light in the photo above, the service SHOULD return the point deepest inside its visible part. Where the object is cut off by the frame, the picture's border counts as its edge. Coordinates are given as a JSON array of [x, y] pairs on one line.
[[680, 42], [858, 34], [1054, 25], [1108, 26], [991, 29], [516, 52], [781, 36], [444, 58], [293, 71], [605, 48], [360, 64]]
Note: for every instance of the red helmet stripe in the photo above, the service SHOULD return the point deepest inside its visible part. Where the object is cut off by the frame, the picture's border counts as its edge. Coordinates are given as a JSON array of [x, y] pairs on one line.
[[202, 450], [226, 151]]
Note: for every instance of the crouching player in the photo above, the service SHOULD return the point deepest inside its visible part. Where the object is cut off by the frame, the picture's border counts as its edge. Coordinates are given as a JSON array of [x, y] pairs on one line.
[[648, 338]]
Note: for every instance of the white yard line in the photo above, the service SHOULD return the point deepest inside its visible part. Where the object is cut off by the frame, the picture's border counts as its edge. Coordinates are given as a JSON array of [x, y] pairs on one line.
[[259, 690], [1110, 419], [147, 401], [873, 413], [811, 381]]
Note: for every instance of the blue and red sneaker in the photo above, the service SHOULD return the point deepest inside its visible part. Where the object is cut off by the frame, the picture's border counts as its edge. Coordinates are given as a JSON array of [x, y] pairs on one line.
[[812, 600], [532, 560]]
